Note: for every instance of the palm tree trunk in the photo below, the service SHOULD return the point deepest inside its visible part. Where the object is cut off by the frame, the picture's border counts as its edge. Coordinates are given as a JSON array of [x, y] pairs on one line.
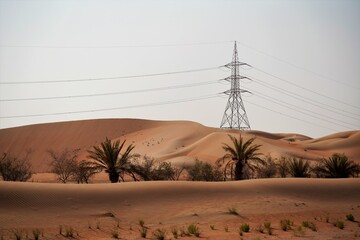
[[114, 177], [239, 170]]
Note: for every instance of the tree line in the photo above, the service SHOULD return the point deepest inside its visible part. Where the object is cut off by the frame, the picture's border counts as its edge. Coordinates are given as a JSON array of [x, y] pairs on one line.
[[241, 160]]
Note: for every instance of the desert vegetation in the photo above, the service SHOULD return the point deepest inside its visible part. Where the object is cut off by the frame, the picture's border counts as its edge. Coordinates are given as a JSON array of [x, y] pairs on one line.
[[66, 167], [108, 157], [240, 156], [15, 169]]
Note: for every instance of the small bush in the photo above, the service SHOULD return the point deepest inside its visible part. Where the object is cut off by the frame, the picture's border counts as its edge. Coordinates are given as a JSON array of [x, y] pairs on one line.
[[115, 234], [202, 171], [350, 217], [15, 169], [267, 169], [193, 230], [245, 227], [285, 224], [260, 228], [36, 233], [18, 234], [299, 232], [159, 234], [183, 233], [298, 167], [69, 232], [339, 224], [309, 225], [175, 233], [143, 229], [233, 211]]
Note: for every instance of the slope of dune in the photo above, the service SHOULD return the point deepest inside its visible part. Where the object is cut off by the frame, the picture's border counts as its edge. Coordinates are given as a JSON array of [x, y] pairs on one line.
[[94, 211], [164, 140]]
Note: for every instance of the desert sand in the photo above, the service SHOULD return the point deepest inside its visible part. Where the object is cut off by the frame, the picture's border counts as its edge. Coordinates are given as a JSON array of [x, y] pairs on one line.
[[95, 211]]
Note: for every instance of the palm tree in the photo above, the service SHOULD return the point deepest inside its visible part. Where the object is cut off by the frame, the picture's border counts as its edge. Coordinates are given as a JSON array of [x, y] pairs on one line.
[[241, 154], [299, 168], [107, 157], [337, 166]]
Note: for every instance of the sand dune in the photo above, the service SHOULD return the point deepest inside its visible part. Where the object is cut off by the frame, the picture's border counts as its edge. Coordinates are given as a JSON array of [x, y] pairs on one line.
[[168, 205], [165, 140]]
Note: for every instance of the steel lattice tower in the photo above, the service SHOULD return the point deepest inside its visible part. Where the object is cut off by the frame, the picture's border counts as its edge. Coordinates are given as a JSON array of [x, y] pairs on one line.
[[235, 114]]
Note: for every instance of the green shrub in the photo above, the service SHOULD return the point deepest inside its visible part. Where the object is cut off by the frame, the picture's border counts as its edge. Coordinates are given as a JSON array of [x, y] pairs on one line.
[[159, 234], [202, 171], [233, 211], [337, 166], [339, 224], [309, 225], [350, 217], [36, 233], [143, 229], [299, 168], [175, 233], [69, 232], [193, 230], [267, 226], [285, 224], [245, 227]]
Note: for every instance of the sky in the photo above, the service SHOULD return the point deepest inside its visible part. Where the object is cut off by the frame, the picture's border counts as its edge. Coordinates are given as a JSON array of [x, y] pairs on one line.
[[305, 58]]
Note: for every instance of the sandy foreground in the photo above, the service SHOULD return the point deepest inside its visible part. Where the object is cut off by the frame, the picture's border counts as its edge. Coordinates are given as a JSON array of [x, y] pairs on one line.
[[94, 211]]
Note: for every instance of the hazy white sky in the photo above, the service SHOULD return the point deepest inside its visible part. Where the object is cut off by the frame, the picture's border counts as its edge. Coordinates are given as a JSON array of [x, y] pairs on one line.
[[312, 44]]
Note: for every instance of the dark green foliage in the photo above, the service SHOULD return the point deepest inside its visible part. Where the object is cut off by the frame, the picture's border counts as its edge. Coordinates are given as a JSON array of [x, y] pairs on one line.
[[245, 227], [15, 169], [267, 169], [239, 155], [108, 157], [194, 230], [233, 211], [337, 166], [309, 225], [143, 229], [149, 170], [202, 171], [339, 224], [350, 217], [285, 224], [299, 168], [283, 167]]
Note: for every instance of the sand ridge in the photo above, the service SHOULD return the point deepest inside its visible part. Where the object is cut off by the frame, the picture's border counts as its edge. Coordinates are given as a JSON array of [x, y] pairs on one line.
[[165, 140]]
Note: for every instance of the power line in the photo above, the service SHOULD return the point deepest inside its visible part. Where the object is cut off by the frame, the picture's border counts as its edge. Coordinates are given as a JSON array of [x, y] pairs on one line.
[[296, 66], [309, 90], [111, 109], [117, 46], [114, 93], [301, 120], [304, 99], [290, 106], [112, 78]]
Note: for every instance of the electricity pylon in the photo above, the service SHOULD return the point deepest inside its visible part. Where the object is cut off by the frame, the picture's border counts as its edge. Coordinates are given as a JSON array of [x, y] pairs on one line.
[[235, 115]]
